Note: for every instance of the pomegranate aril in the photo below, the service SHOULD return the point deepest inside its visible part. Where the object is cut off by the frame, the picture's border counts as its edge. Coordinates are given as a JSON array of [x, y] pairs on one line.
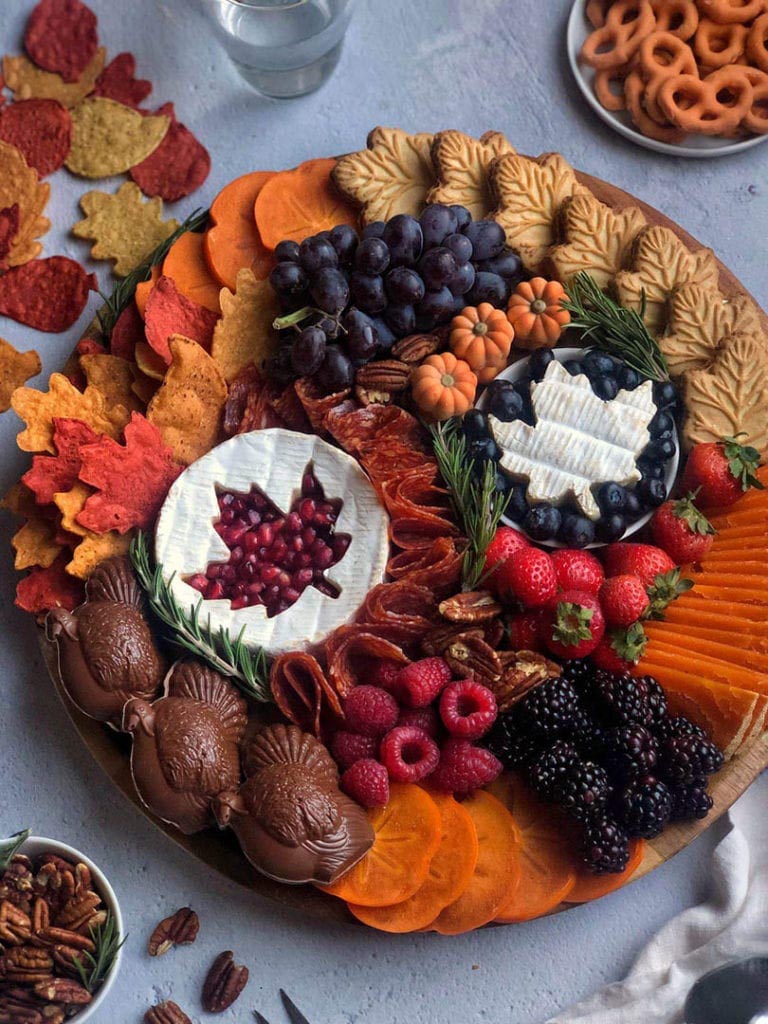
[[302, 578], [265, 535], [323, 559], [339, 545], [303, 560], [291, 595], [293, 523], [307, 510], [251, 541], [254, 516], [309, 536], [215, 591], [199, 582], [228, 574], [239, 602], [269, 573], [237, 554]]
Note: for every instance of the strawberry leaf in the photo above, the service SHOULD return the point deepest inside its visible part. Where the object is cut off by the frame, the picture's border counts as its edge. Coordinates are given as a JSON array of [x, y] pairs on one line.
[[572, 623], [629, 643], [696, 521], [743, 461], [665, 589]]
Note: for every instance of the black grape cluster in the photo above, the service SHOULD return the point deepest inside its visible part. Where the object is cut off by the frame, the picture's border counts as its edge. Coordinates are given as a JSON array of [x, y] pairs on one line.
[[399, 277]]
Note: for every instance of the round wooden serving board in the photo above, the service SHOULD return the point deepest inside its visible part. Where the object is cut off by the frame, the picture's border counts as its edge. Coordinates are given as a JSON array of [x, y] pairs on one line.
[[220, 849]]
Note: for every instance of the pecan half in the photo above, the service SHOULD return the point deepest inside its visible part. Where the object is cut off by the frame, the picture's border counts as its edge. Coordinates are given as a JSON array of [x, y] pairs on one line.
[[522, 671], [15, 925], [471, 657], [16, 883], [390, 375], [26, 965], [180, 929], [18, 1011], [65, 936], [53, 1014], [470, 606], [166, 1013], [224, 983], [63, 990], [438, 640], [416, 347], [79, 911], [367, 396], [41, 915]]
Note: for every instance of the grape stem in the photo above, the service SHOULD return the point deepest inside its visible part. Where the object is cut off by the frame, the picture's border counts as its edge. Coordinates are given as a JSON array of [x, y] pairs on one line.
[[300, 315]]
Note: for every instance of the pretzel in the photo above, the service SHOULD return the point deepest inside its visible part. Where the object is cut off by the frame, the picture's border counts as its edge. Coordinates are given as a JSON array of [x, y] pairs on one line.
[[756, 118], [731, 12], [680, 17], [717, 45], [661, 56], [757, 43], [627, 23], [609, 98], [634, 88], [709, 106], [596, 11]]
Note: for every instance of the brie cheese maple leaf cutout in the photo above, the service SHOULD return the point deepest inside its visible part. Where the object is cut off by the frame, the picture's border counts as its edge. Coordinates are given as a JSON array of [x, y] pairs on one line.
[[578, 439], [462, 166], [731, 397], [393, 175], [699, 320], [529, 195], [244, 336], [662, 263], [598, 240]]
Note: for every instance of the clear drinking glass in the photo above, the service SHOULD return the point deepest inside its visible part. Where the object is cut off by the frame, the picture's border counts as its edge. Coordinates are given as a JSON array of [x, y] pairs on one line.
[[282, 48]]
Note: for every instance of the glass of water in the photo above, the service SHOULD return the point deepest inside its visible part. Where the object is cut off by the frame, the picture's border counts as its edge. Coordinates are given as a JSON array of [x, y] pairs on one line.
[[283, 48]]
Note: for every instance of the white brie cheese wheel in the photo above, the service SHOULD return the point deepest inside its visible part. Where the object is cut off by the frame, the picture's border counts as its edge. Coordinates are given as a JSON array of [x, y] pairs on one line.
[[275, 461]]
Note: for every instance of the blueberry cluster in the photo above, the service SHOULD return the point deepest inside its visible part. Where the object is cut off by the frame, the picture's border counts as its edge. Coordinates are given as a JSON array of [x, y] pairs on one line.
[[605, 750], [619, 506], [364, 292]]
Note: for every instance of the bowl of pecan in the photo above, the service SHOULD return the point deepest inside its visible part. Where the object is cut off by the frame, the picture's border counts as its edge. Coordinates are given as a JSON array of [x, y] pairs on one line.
[[61, 933]]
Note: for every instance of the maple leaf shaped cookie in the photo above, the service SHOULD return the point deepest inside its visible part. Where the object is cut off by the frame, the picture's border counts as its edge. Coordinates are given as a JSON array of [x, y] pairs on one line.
[[699, 319], [125, 228], [393, 175], [15, 369], [661, 264], [244, 335], [462, 166], [20, 186], [529, 195], [731, 397], [598, 240]]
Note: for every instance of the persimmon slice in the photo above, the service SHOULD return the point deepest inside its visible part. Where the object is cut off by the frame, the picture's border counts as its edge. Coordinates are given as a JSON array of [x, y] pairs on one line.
[[547, 865], [186, 264], [449, 874], [496, 874], [233, 241], [298, 203], [592, 887], [143, 288], [407, 834]]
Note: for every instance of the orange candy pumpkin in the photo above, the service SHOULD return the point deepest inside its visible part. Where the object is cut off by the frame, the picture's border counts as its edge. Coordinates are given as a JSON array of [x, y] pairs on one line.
[[482, 337], [536, 314], [443, 386]]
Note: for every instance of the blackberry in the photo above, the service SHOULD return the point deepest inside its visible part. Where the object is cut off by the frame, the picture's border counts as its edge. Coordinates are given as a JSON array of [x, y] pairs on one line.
[[547, 770], [674, 728], [513, 746], [586, 734], [630, 749], [582, 790], [604, 845], [644, 806], [622, 699], [657, 699], [685, 758], [691, 800], [549, 708], [577, 671]]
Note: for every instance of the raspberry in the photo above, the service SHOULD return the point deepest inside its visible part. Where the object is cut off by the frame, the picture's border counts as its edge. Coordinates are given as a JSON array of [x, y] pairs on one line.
[[464, 767], [349, 747], [468, 709], [370, 710], [409, 755], [367, 782], [383, 674], [417, 685], [425, 719]]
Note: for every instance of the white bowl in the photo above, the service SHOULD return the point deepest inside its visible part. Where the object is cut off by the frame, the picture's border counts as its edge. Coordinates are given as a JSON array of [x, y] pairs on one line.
[[517, 370], [36, 846]]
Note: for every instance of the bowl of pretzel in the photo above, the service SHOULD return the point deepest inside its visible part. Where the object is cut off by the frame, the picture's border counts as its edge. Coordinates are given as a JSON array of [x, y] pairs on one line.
[[688, 77]]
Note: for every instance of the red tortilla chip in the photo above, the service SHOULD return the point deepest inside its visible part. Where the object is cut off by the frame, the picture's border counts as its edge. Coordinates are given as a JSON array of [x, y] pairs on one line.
[[118, 82], [168, 312], [131, 480], [48, 294], [127, 332], [62, 36], [53, 473], [50, 588], [178, 166], [9, 228], [90, 347], [41, 129]]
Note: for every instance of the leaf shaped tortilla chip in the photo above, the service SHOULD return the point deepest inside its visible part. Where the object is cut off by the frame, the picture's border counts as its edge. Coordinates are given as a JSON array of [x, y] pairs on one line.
[[39, 409], [15, 369], [44, 589], [700, 318], [51, 474], [35, 544], [19, 184], [169, 312], [109, 138], [29, 82], [598, 240], [298, 203], [244, 336], [462, 166]]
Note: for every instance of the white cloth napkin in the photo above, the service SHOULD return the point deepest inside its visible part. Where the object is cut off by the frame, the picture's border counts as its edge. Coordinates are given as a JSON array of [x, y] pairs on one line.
[[732, 923]]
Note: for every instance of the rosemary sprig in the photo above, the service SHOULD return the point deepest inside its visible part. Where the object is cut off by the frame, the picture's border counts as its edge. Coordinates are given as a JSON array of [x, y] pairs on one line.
[[11, 846], [94, 968], [248, 669], [123, 292], [475, 502], [614, 328]]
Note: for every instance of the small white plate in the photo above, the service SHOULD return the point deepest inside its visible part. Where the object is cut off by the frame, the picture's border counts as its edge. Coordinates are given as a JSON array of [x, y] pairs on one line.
[[696, 146]]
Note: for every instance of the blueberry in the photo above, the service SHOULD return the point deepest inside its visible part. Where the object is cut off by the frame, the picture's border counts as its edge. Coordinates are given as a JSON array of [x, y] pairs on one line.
[[662, 423], [576, 531], [475, 424], [664, 393], [482, 448], [632, 507], [605, 388], [503, 483], [539, 361], [652, 493], [599, 363], [542, 522], [650, 470], [663, 448], [611, 497], [627, 378], [573, 366], [506, 404], [518, 503], [611, 528]]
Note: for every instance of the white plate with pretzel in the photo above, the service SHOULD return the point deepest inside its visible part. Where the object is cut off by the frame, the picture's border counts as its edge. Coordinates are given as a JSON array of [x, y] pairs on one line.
[[646, 85]]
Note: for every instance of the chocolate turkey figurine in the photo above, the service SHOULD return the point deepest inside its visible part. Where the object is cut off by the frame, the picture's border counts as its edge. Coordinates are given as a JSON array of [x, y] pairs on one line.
[[293, 822], [186, 745], [105, 647]]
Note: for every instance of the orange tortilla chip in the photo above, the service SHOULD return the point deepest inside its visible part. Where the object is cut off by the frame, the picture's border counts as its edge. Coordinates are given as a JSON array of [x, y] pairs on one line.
[[39, 408], [244, 336], [113, 377], [19, 184], [15, 369], [35, 544], [149, 362], [29, 82], [94, 548], [143, 288], [19, 500]]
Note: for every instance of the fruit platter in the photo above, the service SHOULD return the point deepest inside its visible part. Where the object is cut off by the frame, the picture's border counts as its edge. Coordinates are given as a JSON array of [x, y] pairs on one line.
[[398, 534]]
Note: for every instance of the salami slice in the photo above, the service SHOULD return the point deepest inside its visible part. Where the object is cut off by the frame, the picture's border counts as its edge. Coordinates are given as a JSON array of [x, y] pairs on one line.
[[317, 406], [303, 694], [404, 605], [350, 651], [437, 567], [420, 531]]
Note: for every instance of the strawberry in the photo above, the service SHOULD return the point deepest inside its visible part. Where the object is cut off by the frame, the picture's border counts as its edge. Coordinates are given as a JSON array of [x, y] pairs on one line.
[[665, 589], [529, 577], [576, 624], [721, 471], [620, 649], [577, 570], [681, 530], [505, 543], [526, 631], [643, 560], [623, 600]]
